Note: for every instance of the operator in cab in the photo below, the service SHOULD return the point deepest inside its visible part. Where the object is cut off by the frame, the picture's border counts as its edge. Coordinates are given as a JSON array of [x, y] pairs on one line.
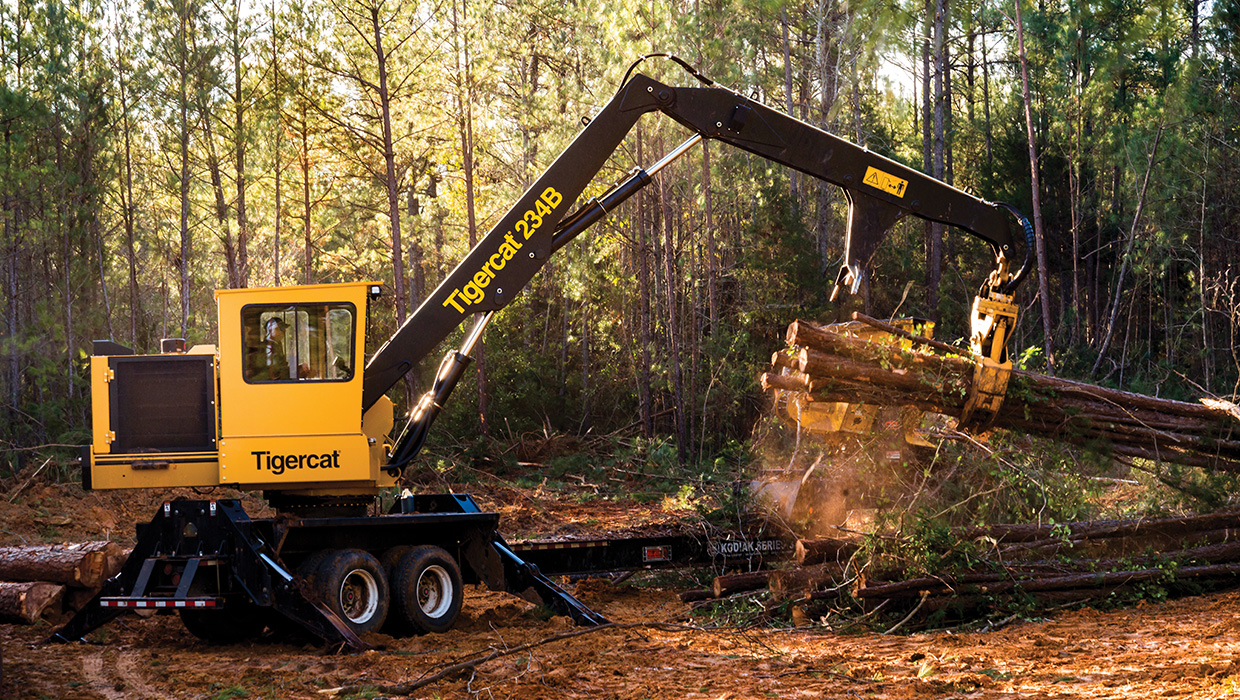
[[267, 361]]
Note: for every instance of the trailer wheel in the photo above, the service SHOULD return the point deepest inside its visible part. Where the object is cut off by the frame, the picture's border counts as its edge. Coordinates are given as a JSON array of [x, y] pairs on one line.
[[427, 589], [308, 569], [391, 558], [237, 622], [353, 584]]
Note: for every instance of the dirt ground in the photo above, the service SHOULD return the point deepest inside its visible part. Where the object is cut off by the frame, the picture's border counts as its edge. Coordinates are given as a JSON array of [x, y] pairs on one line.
[[1188, 648]]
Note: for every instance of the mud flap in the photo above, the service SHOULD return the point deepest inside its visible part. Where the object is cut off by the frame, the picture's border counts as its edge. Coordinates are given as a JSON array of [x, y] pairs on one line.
[[502, 570]]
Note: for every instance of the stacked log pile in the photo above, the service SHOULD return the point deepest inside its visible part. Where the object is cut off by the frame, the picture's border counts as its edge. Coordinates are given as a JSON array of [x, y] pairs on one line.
[[1007, 565], [48, 579], [823, 365], [1092, 561]]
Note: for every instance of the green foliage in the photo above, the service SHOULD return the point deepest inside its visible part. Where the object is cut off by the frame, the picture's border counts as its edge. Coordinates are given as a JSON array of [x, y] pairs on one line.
[[736, 611], [231, 692], [926, 548]]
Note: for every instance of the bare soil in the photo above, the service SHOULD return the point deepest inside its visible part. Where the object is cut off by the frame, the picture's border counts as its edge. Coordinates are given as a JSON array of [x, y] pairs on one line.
[[1187, 648]]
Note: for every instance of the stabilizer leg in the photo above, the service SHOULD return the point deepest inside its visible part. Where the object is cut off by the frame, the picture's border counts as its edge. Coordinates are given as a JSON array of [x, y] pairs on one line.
[[502, 570]]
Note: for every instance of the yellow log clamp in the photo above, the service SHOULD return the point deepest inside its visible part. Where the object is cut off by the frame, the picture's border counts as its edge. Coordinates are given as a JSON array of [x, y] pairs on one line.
[[994, 316]]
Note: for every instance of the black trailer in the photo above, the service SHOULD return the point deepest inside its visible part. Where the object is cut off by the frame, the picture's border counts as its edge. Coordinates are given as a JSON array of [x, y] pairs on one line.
[[230, 576], [729, 550]]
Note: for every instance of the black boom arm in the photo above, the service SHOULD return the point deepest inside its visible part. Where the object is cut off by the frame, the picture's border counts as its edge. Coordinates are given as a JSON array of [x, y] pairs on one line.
[[880, 192]]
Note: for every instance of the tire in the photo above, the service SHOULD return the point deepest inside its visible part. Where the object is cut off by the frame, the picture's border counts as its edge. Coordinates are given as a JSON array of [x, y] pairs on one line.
[[308, 569], [353, 584], [426, 589], [396, 625], [391, 558], [237, 622]]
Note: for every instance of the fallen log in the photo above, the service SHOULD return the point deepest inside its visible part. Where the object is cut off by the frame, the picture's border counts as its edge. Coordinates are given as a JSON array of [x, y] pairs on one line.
[[696, 595], [727, 584], [26, 601], [1092, 579], [1094, 529], [969, 603], [809, 552], [798, 582], [85, 565]]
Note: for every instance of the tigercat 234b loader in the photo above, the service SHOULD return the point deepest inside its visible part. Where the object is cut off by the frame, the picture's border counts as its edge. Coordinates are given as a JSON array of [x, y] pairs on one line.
[[284, 403]]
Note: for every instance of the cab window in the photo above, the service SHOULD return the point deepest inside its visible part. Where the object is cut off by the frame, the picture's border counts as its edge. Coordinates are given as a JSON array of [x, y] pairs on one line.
[[298, 342]]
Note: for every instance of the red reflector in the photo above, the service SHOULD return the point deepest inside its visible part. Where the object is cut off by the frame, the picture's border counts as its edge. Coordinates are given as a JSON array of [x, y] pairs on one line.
[[650, 554]]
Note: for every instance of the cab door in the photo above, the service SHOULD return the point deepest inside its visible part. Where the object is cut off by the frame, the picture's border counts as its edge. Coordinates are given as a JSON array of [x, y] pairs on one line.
[[291, 387]]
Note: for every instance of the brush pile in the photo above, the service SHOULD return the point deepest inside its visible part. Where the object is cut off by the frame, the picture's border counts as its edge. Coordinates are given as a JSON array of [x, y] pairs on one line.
[[830, 364]]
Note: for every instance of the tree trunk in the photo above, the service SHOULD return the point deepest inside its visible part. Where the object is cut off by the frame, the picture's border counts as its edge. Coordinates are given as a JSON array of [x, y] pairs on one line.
[[217, 189], [26, 602], [183, 104], [1127, 256], [792, 174], [712, 254], [127, 206], [12, 230], [465, 123], [645, 334], [307, 204], [934, 261], [239, 143], [389, 165], [840, 368], [672, 284], [1039, 236], [696, 595], [277, 141], [827, 77], [990, 158]]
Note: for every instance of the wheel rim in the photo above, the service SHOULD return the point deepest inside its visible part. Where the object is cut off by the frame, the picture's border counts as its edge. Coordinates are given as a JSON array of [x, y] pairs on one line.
[[359, 596], [434, 591]]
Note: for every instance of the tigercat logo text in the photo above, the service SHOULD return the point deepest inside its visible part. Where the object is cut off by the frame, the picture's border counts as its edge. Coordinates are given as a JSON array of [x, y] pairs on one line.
[[276, 464], [474, 291]]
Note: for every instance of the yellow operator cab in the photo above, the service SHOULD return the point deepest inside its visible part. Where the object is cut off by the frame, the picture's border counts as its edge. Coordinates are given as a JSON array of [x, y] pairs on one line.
[[275, 406]]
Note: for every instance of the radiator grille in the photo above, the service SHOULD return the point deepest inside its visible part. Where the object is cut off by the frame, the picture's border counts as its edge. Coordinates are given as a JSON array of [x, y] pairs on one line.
[[163, 404]]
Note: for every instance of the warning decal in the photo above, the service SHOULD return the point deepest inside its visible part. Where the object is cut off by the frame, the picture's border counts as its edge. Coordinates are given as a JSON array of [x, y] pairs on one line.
[[886, 182]]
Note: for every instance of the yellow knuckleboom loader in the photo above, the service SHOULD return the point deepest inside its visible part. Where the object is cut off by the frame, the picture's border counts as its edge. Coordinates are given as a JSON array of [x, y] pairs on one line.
[[285, 404]]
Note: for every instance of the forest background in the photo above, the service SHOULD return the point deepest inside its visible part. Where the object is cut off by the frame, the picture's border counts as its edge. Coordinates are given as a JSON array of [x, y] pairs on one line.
[[153, 152]]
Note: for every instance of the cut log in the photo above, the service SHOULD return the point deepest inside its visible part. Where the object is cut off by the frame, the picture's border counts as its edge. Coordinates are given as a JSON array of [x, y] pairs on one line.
[[1093, 529], [77, 598], [1092, 579], [809, 552], [784, 359], [728, 584], [85, 565], [935, 377], [25, 602], [696, 595], [796, 381], [969, 603], [799, 582]]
